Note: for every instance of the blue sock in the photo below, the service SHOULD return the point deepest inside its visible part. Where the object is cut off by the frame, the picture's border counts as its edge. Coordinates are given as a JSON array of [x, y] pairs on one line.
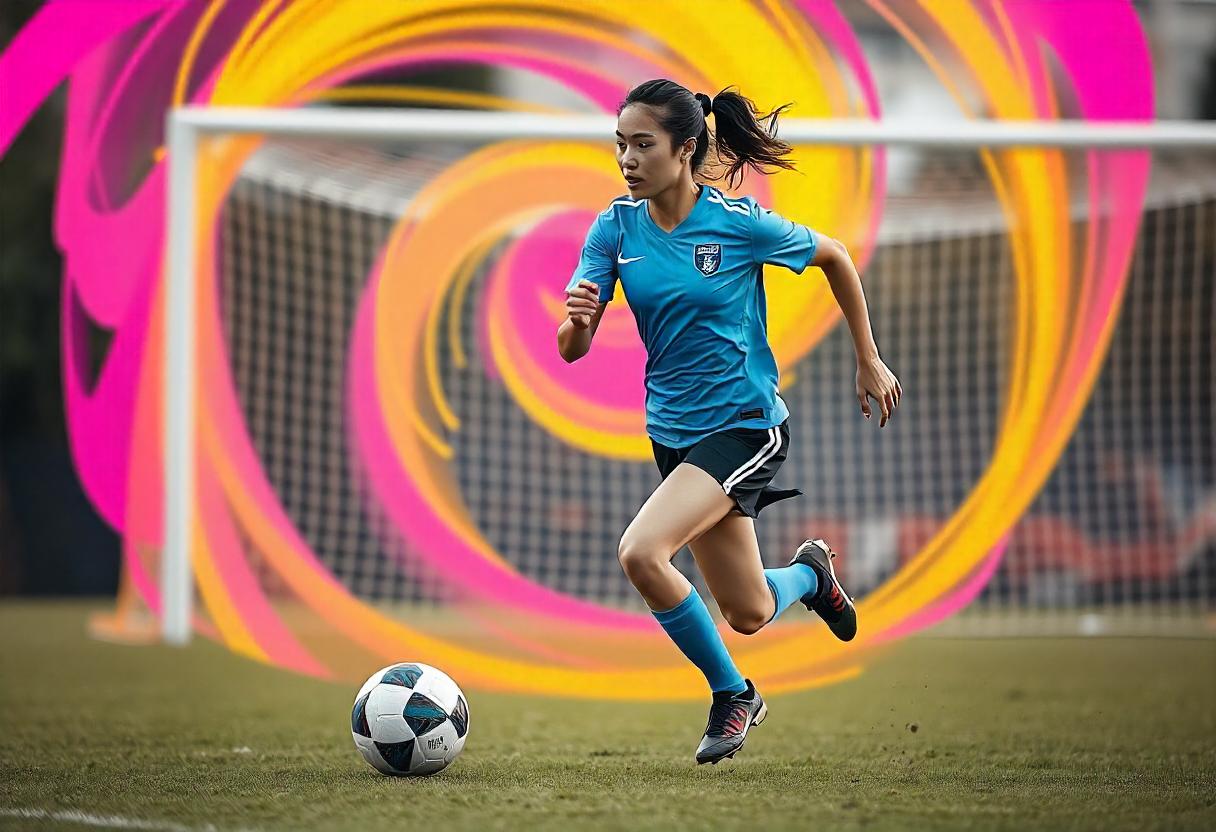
[[692, 629], [789, 583]]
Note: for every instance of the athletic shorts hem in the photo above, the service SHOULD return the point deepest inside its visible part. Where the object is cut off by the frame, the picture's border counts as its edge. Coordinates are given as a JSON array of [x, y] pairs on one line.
[[743, 461]]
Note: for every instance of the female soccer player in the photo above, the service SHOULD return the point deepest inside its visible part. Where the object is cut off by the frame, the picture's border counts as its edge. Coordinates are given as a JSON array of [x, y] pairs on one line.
[[690, 260]]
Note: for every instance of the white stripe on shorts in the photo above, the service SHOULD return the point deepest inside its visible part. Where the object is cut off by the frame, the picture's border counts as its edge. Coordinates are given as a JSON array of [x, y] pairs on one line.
[[754, 464]]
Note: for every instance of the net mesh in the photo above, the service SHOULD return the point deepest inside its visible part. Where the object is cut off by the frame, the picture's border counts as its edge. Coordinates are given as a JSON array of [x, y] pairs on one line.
[[1121, 538]]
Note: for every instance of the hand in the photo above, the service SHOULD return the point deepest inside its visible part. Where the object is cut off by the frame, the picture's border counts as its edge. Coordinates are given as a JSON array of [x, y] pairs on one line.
[[876, 381], [582, 302]]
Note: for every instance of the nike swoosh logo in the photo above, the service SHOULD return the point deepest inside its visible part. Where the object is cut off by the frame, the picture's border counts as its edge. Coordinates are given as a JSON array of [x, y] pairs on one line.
[[621, 259]]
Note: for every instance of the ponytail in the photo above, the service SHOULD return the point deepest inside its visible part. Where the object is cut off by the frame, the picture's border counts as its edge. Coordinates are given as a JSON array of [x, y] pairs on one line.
[[742, 137]]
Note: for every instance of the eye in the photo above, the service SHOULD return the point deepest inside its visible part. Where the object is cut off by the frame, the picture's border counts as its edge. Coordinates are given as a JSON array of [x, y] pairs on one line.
[[643, 144], [620, 145]]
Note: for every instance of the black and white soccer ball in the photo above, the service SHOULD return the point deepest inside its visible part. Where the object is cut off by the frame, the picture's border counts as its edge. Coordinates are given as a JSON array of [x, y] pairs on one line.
[[409, 719]]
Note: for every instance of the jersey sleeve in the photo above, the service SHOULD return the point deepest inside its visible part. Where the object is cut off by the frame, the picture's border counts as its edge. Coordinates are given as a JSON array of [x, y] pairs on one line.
[[597, 262], [781, 242]]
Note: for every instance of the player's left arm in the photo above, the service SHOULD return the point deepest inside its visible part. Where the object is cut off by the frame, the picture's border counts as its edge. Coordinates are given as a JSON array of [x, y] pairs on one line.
[[873, 377]]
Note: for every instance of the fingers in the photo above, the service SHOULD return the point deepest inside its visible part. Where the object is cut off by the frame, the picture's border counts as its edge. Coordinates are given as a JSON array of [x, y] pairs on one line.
[[586, 289], [574, 304], [582, 295], [879, 383], [583, 301], [887, 402], [892, 396], [581, 318]]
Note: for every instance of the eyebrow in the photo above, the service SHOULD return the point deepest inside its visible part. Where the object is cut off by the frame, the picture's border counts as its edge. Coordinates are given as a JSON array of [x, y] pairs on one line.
[[635, 135]]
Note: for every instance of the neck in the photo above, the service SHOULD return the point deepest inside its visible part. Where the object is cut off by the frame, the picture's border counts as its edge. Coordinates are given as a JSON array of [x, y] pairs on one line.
[[671, 207]]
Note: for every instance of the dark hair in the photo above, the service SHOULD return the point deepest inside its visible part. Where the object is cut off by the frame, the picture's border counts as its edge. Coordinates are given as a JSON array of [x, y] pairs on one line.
[[740, 136]]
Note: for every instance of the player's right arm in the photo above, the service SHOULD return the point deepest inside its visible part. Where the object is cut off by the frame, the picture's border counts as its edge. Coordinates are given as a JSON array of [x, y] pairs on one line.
[[590, 288], [583, 313]]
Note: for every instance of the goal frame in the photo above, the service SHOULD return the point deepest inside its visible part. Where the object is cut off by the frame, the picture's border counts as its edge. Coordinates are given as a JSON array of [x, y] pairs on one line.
[[185, 126]]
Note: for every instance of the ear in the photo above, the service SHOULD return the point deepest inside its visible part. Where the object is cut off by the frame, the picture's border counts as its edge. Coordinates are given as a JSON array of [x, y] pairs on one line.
[[687, 149]]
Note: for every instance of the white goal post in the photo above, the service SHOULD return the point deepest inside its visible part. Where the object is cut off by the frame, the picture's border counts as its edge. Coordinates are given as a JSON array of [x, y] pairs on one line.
[[185, 127]]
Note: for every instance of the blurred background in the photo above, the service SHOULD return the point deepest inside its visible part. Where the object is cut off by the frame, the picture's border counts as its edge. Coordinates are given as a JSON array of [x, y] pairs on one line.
[[1118, 534], [393, 464]]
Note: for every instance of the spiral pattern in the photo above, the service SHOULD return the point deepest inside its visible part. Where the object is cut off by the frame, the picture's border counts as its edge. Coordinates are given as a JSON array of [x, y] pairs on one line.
[[130, 61]]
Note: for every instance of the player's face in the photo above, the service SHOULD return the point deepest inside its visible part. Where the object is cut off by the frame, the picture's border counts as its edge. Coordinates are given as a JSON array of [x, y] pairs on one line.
[[645, 154]]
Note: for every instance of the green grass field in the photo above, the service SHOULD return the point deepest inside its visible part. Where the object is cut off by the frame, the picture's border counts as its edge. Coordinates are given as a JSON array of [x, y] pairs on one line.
[[1009, 734]]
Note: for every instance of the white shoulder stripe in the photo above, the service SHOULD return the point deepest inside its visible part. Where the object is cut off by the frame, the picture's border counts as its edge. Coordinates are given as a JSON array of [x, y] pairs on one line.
[[627, 202], [732, 200], [738, 209]]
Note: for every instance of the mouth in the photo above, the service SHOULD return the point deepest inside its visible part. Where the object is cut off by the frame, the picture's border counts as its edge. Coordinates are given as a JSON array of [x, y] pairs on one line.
[[632, 181]]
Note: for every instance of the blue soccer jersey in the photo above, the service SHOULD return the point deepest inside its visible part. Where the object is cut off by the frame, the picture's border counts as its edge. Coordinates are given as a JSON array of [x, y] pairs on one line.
[[697, 295]]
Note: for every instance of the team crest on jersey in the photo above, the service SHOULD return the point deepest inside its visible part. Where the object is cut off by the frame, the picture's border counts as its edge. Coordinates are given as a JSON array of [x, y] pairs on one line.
[[707, 257]]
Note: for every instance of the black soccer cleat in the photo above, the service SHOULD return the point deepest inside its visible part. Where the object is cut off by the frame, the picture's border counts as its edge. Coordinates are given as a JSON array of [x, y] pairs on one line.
[[830, 602], [730, 717]]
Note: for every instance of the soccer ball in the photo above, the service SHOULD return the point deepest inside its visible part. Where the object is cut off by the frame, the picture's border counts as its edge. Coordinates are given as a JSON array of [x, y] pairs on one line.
[[409, 719]]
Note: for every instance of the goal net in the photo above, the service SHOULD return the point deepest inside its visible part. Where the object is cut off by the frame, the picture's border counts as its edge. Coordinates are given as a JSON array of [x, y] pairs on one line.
[[385, 447]]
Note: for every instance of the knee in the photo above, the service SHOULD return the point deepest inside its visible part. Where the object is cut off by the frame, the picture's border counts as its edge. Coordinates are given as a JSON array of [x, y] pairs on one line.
[[638, 559], [745, 621]]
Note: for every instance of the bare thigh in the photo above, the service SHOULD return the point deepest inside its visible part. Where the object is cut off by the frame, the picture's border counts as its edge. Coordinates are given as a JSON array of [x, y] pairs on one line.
[[728, 555], [681, 509]]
